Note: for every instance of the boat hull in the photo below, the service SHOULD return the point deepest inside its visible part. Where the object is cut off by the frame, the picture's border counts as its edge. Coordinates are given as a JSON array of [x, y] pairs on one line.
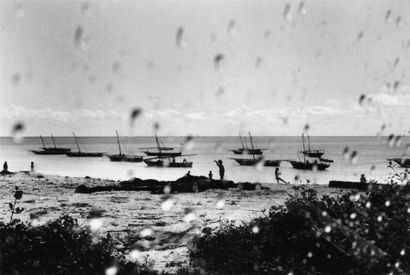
[[161, 163], [48, 152], [247, 151], [253, 162], [403, 162], [125, 158], [84, 154], [162, 154], [314, 153], [309, 166]]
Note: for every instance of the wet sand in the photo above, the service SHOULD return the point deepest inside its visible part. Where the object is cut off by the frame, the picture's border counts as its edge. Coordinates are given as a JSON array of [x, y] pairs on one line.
[[171, 220]]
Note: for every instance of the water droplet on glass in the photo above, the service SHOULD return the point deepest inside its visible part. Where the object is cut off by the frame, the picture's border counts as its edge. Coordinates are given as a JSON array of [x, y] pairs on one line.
[[387, 203], [218, 59], [167, 204], [95, 224], [189, 215], [402, 252], [360, 36], [328, 229], [79, 38], [179, 38], [220, 204], [301, 8], [255, 229], [167, 189], [306, 127], [258, 62], [116, 67], [388, 16], [111, 270], [368, 204], [398, 21], [220, 91], [353, 157], [310, 254], [85, 9], [286, 12], [353, 216], [17, 131], [146, 232], [19, 11], [362, 98], [135, 254], [379, 218], [15, 79], [231, 27]]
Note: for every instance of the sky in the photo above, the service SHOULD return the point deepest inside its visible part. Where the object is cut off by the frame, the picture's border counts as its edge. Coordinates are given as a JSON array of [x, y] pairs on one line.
[[205, 67]]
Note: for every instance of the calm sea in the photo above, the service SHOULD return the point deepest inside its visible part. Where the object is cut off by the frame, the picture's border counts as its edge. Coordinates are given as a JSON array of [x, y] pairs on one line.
[[372, 153]]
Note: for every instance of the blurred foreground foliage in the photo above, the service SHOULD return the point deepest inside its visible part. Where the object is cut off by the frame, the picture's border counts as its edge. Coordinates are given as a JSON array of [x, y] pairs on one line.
[[356, 233], [58, 247]]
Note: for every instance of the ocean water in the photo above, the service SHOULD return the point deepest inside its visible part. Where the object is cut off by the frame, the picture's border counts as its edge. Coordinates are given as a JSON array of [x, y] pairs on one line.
[[372, 153]]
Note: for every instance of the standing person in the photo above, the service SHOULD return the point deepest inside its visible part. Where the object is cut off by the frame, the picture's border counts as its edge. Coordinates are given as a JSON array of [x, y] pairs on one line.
[[210, 175], [277, 176], [221, 168], [5, 166], [32, 167]]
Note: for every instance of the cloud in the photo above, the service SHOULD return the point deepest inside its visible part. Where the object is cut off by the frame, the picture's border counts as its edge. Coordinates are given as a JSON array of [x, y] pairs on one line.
[[20, 113], [388, 99]]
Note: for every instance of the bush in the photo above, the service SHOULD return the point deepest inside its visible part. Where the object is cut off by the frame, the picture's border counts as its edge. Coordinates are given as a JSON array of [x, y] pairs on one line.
[[365, 233], [58, 247]]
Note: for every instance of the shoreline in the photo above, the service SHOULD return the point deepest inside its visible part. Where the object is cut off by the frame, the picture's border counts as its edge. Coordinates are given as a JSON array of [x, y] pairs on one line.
[[172, 218]]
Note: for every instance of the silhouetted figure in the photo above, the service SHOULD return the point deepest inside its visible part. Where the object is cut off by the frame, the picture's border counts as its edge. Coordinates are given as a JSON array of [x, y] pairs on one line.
[[210, 175], [188, 174], [32, 167], [5, 166], [363, 179], [221, 169], [277, 176]]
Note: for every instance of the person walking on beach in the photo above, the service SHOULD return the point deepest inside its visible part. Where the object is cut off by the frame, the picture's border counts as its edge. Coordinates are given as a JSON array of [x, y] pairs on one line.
[[32, 167], [221, 169], [277, 176], [5, 166]]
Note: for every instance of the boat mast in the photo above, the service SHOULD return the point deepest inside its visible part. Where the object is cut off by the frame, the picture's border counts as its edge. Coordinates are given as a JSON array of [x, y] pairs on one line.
[[42, 141], [158, 143], [118, 140], [304, 149], [240, 137], [78, 146], [253, 149], [53, 141]]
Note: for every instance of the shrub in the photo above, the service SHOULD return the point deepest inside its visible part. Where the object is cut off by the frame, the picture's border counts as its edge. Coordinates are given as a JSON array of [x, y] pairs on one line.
[[58, 247], [357, 233]]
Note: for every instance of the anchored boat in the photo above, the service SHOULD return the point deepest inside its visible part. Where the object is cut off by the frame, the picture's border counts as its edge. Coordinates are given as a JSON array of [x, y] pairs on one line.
[[318, 163], [121, 156], [308, 151], [51, 150], [162, 151], [82, 154], [167, 162], [254, 161], [245, 149]]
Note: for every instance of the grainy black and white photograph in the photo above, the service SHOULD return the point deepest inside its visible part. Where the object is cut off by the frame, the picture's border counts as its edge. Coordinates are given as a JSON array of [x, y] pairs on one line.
[[204, 137]]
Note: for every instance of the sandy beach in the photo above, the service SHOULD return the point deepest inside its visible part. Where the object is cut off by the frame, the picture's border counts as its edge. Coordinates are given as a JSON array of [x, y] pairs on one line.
[[157, 228]]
